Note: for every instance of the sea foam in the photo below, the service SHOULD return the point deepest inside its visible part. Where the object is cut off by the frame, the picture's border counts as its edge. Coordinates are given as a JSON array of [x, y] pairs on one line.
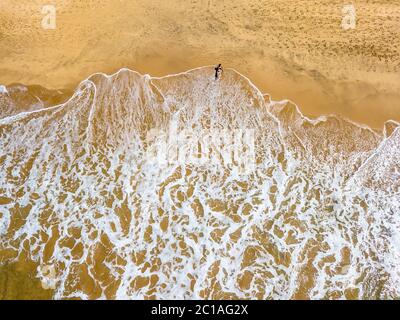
[[82, 194]]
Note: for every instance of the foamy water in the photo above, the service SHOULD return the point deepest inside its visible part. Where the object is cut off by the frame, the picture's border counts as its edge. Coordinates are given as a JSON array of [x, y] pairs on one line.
[[315, 217]]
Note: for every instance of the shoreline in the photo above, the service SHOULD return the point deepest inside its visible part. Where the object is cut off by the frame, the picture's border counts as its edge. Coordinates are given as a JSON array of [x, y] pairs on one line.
[[356, 100], [312, 119]]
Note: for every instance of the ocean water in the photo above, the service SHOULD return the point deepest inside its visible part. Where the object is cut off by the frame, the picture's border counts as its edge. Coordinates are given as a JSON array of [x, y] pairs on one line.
[[183, 187]]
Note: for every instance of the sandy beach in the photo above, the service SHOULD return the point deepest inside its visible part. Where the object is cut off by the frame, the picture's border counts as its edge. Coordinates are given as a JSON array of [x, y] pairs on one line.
[[96, 204], [289, 49]]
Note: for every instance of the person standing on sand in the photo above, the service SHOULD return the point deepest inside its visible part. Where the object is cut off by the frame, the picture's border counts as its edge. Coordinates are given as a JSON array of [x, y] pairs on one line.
[[218, 71]]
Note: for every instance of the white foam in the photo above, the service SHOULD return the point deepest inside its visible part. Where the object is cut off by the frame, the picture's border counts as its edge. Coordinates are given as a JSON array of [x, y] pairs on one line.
[[3, 89], [88, 163]]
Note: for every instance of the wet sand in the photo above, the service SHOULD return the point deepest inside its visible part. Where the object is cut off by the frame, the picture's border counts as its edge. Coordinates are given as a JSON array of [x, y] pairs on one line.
[[18, 281], [290, 49], [93, 241]]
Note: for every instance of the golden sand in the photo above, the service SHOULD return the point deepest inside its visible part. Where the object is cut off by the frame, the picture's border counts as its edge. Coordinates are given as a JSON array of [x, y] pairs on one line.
[[18, 281], [277, 225], [290, 49]]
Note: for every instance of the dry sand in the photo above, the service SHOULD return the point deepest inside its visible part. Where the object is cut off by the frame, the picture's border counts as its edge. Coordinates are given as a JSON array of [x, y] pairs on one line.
[[290, 48]]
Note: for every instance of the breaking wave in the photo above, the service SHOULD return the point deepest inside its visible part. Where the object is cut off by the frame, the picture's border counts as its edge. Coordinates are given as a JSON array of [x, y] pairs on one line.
[[316, 216]]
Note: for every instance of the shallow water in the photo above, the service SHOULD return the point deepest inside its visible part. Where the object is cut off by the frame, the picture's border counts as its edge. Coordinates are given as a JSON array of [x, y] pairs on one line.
[[108, 197]]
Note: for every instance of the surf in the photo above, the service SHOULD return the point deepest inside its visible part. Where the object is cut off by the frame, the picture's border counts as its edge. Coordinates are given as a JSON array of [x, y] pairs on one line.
[[84, 197]]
